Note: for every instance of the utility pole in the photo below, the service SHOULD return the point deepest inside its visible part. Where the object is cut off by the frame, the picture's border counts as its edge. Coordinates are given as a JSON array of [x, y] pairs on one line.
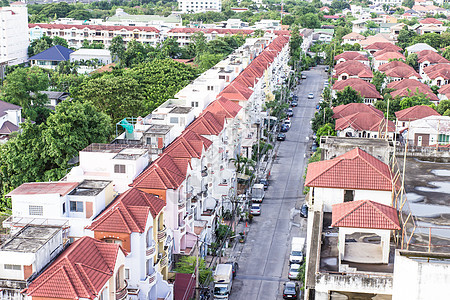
[[197, 273]]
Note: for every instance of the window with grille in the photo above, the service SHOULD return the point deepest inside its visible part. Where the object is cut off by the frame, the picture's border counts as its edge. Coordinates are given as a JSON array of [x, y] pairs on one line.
[[12, 267], [36, 210], [119, 168]]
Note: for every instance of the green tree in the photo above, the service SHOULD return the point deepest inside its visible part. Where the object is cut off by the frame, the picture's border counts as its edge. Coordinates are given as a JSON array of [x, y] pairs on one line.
[[322, 117], [414, 99], [72, 127], [444, 108], [206, 61], [117, 47], [408, 3], [411, 60], [378, 80], [310, 20], [325, 130], [346, 96], [186, 265], [406, 37]]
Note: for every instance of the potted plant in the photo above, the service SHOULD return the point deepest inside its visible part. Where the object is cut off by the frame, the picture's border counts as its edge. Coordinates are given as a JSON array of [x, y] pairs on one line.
[[250, 218], [241, 237]]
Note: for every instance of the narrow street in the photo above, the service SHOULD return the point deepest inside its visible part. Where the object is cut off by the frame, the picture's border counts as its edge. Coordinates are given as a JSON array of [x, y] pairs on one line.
[[263, 261]]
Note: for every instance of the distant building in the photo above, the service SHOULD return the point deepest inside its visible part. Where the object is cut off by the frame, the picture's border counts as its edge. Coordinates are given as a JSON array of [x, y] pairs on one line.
[[50, 58], [190, 6], [428, 131], [10, 118], [14, 34], [97, 58]]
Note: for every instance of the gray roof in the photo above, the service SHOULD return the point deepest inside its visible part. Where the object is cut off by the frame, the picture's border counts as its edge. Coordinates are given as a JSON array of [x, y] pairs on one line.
[[30, 239], [8, 128], [4, 106]]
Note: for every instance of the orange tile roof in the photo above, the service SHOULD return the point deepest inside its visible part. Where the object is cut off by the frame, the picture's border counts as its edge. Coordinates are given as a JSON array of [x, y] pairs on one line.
[[355, 169], [430, 21], [382, 46], [42, 188], [411, 83], [364, 121], [366, 89], [389, 55], [223, 107], [365, 214], [80, 271], [415, 113], [94, 27], [128, 213], [439, 70], [351, 55], [398, 69], [409, 91], [431, 57]]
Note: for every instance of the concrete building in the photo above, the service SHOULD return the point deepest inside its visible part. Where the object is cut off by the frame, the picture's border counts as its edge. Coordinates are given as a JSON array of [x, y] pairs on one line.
[[14, 34], [405, 116], [90, 59], [428, 131], [191, 6], [25, 255]]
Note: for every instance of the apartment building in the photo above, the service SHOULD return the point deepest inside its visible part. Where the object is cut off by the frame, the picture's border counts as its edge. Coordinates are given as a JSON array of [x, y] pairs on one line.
[[76, 34], [197, 6], [14, 34]]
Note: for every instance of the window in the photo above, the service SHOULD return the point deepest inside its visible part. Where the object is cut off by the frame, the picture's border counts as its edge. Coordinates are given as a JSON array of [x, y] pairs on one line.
[[76, 206], [194, 104], [210, 88], [348, 195], [443, 139], [173, 120], [35, 210], [64, 208], [119, 168], [12, 267], [113, 241], [127, 273]]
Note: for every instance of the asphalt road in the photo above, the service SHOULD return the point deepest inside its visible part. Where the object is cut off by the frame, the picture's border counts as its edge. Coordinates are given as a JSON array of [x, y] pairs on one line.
[[263, 262]]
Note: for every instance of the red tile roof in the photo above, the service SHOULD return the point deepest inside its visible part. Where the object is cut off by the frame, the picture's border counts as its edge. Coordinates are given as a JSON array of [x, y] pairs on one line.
[[128, 213], [223, 107], [80, 271], [351, 55], [431, 57], [222, 31], [398, 69], [439, 70], [411, 83], [430, 21], [364, 121], [365, 214], [415, 113], [380, 52], [352, 108], [353, 68], [43, 188], [94, 27], [366, 89], [355, 169], [382, 46], [389, 55], [409, 91], [445, 90]]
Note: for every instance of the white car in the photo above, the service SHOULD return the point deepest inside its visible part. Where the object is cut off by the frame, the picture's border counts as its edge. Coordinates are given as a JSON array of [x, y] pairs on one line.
[[326, 83], [293, 271], [288, 123], [310, 96], [255, 209]]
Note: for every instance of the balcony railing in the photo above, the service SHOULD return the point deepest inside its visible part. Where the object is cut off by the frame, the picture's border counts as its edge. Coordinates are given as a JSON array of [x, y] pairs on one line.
[[122, 293], [181, 206], [163, 262], [162, 234], [150, 250]]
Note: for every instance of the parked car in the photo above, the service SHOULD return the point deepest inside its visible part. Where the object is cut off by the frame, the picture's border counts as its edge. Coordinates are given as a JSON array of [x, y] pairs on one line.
[[304, 211], [288, 123], [327, 68], [284, 128], [265, 182], [281, 137], [314, 146], [326, 83], [310, 96], [293, 271], [294, 103], [303, 76], [294, 97], [291, 290], [255, 209], [235, 266], [290, 112]]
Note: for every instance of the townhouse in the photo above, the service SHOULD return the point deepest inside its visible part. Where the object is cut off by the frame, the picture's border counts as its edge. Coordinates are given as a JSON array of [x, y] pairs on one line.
[[385, 56], [427, 58], [76, 34], [398, 70], [438, 74]]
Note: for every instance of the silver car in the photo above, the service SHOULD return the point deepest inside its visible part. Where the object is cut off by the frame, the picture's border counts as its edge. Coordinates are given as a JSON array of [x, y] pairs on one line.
[[255, 209], [310, 96]]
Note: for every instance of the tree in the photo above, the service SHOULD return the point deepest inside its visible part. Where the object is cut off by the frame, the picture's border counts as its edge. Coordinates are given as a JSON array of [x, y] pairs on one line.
[[22, 87], [186, 265], [325, 130], [406, 37], [346, 96], [378, 80], [206, 61], [117, 47], [117, 96], [322, 117], [414, 99], [295, 44], [411, 60], [408, 3], [72, 127], [310, 20], [444, 108]]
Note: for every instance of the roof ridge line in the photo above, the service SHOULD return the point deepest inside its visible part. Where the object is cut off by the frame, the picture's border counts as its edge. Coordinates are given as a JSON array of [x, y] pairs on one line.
[[382, 213], [351, 211]]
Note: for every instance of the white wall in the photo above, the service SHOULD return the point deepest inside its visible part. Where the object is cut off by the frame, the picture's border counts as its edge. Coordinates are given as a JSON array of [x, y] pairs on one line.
[[14, 34]]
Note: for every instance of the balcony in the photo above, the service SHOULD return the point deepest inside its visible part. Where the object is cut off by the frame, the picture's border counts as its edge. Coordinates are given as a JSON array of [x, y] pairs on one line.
[[181, 206], [163, 262], [150, 251], [122, 293], [162, 234]]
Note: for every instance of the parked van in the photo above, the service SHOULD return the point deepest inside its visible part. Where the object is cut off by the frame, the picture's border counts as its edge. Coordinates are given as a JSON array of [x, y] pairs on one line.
[[297, 247], [258, 192]]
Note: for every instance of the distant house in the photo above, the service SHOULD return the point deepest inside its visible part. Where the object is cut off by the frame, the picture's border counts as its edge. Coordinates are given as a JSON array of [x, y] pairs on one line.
[[408, 87], [353, 38], [428, 131], [377, 46], [352, 55], [10, 118], [352, 69], [367, 90], [417, 112], [51, 57], [427, 58], [398, 70], [386, 57], [419, 47]]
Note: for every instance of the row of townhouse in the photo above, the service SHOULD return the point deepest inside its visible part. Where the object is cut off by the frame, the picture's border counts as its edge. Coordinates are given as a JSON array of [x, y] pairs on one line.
[[352, 222], [155, 211], [75, 34]]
